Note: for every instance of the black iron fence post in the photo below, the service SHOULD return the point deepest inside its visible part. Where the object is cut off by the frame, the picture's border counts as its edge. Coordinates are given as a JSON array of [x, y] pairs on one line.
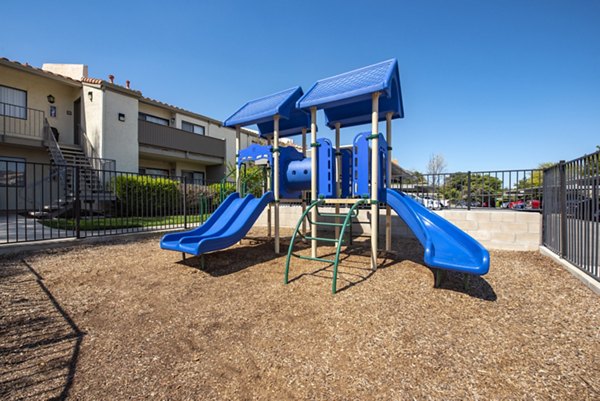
[[77, 204], [468, 190], [185, 225], [563, 207]]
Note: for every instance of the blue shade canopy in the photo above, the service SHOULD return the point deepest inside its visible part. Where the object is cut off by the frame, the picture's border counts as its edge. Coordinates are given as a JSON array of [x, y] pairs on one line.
[[297, 120], [261, 112], [346, 98]]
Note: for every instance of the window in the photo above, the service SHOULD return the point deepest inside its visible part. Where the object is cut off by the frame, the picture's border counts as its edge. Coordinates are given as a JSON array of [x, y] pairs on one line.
[[13, 102], [189, 127], [159, 172], [153, 119], [193, 177], [12, 172]]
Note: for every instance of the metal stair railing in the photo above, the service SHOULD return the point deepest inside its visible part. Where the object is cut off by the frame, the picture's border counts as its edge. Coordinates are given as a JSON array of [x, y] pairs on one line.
[[352, 212]]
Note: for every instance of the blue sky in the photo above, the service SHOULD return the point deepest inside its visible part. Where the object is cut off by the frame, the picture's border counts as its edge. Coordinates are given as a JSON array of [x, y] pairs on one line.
[[488, 84]]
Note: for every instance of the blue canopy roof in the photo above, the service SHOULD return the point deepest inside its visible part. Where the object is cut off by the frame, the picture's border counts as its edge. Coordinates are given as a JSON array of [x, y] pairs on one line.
[[261, 112], [346, 98]]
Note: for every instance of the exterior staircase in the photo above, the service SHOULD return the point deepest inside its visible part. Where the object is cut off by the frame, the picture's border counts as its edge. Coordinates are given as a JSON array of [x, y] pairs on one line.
[[71, 160]]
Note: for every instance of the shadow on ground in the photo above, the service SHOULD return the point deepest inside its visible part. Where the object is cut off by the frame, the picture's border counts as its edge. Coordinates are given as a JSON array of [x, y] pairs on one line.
[[352, 270], [233, 260], [39, 342]]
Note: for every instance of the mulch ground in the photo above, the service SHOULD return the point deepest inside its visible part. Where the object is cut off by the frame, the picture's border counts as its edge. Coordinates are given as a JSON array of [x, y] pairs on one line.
[[128, 321]]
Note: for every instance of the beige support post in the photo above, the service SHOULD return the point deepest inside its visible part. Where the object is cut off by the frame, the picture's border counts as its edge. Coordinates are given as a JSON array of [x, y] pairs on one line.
[[276, 178], [303, 197], [313, 178], [388, 209], [270, 187], [374, 179], [338, 170], [237, 158]]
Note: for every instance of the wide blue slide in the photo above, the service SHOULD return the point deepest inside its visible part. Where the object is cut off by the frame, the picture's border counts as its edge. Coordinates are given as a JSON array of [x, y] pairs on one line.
[[227, 225], [446, 246]]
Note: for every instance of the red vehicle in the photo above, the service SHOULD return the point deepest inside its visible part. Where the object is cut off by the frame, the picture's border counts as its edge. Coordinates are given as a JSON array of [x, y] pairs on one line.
[[519, 204]]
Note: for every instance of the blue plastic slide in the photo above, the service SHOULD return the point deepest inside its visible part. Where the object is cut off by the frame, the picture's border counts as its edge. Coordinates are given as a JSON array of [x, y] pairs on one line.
[[227, 225], [446, 246]]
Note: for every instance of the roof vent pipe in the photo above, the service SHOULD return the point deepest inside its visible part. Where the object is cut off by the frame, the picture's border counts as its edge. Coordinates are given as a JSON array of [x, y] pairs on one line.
[[111, 78]]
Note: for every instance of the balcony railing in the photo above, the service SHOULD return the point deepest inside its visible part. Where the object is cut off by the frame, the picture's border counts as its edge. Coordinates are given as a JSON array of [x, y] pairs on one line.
[[21, 121], [172, 138]]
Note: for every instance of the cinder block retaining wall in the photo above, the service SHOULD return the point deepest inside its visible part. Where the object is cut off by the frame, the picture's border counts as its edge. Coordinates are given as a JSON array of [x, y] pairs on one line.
[[494, 229]]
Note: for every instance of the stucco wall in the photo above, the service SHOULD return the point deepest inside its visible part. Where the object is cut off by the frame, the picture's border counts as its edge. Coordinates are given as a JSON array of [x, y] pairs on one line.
[[38, 88], [120, 138], [500, 229], [155, 111], [92, 115]]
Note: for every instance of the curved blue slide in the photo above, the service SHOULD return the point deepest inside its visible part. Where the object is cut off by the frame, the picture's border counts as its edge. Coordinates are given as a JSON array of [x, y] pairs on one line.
[[227, 225], [446, 246]]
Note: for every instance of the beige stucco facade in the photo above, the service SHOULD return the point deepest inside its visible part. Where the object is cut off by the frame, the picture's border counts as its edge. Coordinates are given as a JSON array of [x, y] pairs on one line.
[[109, 119], [120, 138], [38, 89]]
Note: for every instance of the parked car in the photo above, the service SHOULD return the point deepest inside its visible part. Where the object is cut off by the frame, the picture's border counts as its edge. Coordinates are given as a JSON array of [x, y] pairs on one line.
[[431, 203], [533, 204], [519, 204]]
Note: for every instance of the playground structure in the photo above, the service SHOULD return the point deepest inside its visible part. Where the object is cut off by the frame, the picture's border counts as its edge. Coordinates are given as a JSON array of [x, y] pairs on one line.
[[355, 179]]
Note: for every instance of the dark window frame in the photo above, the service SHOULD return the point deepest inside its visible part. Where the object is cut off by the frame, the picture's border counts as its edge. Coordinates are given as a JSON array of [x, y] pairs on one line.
[[193, 125], [2, 112], [192, 172], [142, 116], [143, 171], [5, 163]]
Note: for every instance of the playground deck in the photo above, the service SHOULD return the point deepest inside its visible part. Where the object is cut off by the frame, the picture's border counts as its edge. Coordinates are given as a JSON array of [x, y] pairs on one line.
[[122, 321]]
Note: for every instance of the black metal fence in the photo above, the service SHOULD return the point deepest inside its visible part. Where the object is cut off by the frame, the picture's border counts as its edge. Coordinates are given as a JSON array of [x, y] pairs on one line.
[[45, 201], [571, 216], [509, 189]]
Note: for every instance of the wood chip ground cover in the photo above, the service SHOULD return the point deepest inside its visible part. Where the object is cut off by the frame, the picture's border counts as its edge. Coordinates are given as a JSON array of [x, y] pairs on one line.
[[127, 321]]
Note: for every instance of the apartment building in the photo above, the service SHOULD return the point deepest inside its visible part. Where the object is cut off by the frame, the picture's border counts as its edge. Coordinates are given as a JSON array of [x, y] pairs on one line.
[[57, 113]]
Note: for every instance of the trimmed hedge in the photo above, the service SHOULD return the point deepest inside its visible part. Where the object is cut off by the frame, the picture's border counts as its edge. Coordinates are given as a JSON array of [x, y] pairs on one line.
[[147, 196]]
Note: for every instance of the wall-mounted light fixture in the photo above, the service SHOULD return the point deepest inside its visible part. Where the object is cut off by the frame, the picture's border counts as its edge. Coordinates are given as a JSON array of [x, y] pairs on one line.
[[91, 96], [172, 121], [50, 99], [122, 117]]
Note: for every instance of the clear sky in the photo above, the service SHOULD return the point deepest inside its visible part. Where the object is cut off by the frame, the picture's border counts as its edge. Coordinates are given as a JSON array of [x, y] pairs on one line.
[[488, 84]]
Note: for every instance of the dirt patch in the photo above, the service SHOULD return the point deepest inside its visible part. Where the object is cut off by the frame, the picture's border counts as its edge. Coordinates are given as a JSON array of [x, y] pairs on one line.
[[130, 321]]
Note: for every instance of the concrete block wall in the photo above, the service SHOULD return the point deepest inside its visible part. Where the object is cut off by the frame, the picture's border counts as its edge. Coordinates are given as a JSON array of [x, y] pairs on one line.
[[499, 229], [494, 229]]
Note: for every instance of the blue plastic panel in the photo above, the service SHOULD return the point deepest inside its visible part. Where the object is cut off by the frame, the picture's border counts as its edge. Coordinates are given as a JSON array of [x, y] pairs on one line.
[[361, 180], [297, 120], [325, 168], [288, 155], [254, 153], [346, 98], [263, 109], [298, 175], [346, 173]]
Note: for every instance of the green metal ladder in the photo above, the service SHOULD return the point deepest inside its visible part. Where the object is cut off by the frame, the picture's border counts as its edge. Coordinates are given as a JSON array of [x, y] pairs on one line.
[[353, 212]]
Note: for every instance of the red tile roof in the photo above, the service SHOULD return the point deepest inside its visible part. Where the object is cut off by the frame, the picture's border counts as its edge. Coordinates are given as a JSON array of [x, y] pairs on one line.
[[38, 70]]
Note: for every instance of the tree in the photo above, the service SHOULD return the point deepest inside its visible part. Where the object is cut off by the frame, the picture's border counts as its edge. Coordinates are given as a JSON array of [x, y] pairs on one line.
[[435, 167], [536, 179], [436, 164], [483, 187]]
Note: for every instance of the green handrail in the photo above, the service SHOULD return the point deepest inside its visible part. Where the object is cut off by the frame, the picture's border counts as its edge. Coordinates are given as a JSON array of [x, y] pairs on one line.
[[339, 246], [296, 230], [353, 212]]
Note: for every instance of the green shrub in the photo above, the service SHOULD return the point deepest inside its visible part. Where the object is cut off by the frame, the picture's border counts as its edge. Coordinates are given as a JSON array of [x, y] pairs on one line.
[[147, 196]]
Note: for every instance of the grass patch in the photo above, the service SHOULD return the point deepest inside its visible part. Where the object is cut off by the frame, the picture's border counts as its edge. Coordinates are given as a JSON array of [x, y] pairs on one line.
[[107, 223]]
